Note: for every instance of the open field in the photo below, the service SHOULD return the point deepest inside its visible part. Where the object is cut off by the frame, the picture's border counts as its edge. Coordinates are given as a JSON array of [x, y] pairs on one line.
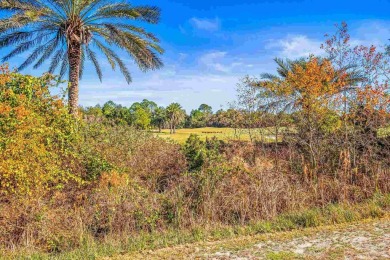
[[225, 133], [181, 135], [385, 131]]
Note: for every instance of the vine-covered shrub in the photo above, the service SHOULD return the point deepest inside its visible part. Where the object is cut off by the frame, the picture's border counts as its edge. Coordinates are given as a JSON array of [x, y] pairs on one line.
[[63, 180], [37, 136]]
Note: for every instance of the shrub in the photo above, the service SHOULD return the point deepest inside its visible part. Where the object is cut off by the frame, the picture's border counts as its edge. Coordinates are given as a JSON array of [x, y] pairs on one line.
[[37, 136], [195, 152]]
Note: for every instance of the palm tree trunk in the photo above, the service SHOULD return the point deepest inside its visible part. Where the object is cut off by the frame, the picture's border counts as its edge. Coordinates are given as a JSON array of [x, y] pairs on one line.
[[74, 57]]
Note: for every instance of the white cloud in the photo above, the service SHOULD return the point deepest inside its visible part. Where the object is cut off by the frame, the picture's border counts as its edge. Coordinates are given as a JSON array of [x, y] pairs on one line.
[[212, 60], [372, 32], [296, 46], [182, 30], [219, 61], [210, 25], [182, 56]]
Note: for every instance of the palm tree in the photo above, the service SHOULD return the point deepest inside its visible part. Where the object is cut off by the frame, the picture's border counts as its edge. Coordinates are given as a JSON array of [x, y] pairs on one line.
[[159, 117], [175, 115], [68, 31]]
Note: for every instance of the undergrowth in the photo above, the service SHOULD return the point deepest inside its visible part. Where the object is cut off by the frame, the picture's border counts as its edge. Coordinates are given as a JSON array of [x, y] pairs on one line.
[[73, 188], [331, 214]]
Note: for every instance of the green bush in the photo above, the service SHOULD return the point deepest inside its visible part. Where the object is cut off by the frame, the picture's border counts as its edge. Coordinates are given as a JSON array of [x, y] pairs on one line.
[[195, 152]]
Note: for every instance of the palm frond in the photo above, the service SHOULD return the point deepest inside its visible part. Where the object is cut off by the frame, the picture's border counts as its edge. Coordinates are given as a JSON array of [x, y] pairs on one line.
[[64, 66], [92, 56], [15, 38], [136, 47], [268, 76], [25, 46], [18, 21], [124, 10], [107, 52], [34, 55], [55, 61], [125, 72], [283, 67], [16, 5], [47, 52], [138, 30], [48, 28]]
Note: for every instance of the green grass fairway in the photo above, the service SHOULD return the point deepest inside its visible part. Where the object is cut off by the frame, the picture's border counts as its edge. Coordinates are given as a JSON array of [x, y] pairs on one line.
[[225, 134], [384, 132]]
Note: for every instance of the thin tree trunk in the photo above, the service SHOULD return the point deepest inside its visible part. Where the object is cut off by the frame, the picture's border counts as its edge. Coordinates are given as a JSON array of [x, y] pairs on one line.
[[74, 57]]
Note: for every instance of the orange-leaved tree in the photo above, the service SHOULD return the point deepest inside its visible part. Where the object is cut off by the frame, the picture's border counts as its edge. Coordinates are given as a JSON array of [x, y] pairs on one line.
[[309, 88]]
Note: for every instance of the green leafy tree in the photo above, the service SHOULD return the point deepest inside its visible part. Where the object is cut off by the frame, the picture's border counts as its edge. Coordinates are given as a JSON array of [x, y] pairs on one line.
[[175, 115], [148, 105], [108, 109], [159, 118], [141, 118], [207, 113], [201, 117], [69, 31], [116, 113], [199, 153], [95, 111], [205, 109], [197, 119], [220, 119]]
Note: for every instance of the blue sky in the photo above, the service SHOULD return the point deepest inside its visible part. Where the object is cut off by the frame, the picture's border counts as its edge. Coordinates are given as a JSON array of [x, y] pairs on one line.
[[211, 44]]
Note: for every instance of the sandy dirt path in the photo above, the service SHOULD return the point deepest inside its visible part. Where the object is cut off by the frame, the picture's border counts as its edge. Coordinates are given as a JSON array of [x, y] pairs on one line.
[[369, 239]]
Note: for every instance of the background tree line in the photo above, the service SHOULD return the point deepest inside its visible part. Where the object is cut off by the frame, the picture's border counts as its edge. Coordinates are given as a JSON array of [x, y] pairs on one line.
[[147, 115]]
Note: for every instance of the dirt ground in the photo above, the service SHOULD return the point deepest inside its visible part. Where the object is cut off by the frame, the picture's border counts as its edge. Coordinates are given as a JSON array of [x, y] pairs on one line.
[[364, 240]]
